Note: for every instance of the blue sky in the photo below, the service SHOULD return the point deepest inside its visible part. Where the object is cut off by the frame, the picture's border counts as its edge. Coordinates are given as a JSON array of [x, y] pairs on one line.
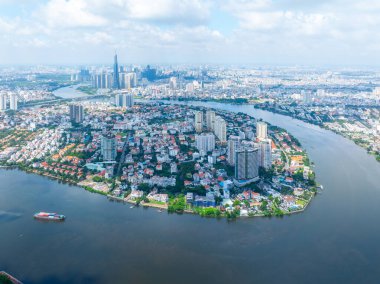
[[257, 32]]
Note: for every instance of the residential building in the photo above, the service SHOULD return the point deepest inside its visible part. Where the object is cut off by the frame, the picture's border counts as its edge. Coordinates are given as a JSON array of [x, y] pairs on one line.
[[198, 121], [205, 142], [13, 101], [265, 153], [3, 101], [246, 163], [108, 147], [210, 120], [76, 113], [232, 146], [220, 129], [261, 130]]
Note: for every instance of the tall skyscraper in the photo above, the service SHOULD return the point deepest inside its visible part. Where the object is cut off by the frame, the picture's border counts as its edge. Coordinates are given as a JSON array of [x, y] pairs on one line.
[[265, 153], [220, 129], [261, 130], [3, 101], [246, 163], [76, 113], [205, 142], [233, 144], [210, 120], [13, 101], [198, 121], [116, 82], [108, 147]]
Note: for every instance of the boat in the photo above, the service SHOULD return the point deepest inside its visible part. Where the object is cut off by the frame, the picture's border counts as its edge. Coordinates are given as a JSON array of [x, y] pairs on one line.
[[49, 216], [9, 277]]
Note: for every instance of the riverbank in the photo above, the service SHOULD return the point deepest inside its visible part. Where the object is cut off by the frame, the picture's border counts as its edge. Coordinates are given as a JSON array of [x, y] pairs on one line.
[[327, 125], [335, 240], [285, 182]]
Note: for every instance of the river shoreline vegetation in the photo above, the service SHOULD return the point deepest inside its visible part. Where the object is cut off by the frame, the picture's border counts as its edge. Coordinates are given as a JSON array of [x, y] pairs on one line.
[[351, 127], [180, 181]]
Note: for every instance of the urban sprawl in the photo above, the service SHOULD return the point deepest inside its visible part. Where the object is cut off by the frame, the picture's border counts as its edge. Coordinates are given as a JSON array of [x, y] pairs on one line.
[[181, 158]]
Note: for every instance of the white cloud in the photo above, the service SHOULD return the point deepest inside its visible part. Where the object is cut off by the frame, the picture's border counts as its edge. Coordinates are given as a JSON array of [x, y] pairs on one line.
[[171, 30], [69, 14]]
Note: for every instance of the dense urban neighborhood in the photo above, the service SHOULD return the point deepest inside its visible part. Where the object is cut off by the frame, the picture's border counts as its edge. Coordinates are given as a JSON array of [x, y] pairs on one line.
[[179, 158]]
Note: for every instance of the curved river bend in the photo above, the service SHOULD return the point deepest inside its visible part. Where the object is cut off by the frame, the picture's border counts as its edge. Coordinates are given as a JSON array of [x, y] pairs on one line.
[[336, 240]]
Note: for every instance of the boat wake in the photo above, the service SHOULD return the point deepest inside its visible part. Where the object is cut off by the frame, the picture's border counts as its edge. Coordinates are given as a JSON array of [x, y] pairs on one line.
[[9, 216]]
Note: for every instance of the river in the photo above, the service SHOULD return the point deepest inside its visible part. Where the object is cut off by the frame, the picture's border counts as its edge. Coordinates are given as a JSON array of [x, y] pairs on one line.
[[69, 92], [336, 240]]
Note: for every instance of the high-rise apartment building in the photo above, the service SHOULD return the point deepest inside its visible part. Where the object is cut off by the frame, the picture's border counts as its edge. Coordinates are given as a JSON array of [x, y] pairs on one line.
[[108, 147], [173, 83], [261, 130], [76, 113], [13, 101], [220, 129], [210, 120], [198, 121], [124, 100], [232, 146], [205, 142], [265, 153], [102, 81], [246, 163], [3, 101]]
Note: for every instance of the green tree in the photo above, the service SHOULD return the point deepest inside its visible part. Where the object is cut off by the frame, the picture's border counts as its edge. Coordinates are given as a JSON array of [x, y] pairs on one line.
[[144, 187]]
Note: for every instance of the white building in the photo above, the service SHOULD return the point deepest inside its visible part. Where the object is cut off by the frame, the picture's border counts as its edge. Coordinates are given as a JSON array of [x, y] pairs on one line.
[[220, 129], [3, 101], [173, 83], [265, 153], [124, 100], [205, 142], [13, 101], [233, 144], [261, 130], [198, 121], [210, 120]]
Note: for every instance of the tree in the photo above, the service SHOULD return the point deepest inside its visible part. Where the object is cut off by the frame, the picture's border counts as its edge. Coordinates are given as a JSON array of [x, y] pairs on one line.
[[97, 179], [144, 187], [264, 205]]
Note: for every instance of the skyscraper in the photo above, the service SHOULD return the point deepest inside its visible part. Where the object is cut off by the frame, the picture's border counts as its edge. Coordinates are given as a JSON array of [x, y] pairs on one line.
[[3, 101], [246, 163], [265, 154], [261, 130], [13, 101], [116, 83], [233, 144], [76, 113], [198, 121], [210, 120], [205, 142], [220, 129], [124, 100], [108, 147]]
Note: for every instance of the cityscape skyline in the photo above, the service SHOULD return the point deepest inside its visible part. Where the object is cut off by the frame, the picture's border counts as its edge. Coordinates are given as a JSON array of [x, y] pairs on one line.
[[260, 32]]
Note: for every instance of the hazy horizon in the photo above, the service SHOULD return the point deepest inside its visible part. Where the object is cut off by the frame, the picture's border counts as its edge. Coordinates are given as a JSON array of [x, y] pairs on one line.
[[250, 33]]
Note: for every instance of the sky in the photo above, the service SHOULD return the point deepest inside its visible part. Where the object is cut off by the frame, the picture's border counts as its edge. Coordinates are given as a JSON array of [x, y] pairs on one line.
[[239, 32]]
